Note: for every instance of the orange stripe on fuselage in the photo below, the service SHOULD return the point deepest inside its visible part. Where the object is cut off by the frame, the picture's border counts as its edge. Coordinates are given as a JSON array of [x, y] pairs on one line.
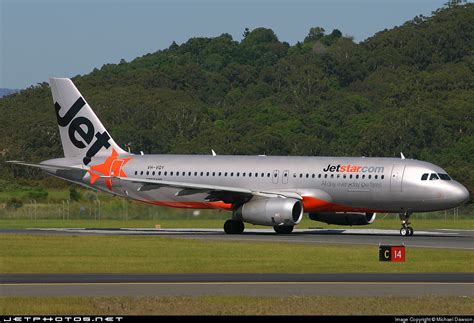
[[192, 205], [312, 204]]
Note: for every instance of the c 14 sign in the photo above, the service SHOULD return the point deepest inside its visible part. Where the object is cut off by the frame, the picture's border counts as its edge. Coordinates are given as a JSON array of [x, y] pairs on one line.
[[392, 253]]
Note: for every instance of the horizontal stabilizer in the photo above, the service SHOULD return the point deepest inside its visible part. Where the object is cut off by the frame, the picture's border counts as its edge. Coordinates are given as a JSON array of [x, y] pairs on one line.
[[49, 167]]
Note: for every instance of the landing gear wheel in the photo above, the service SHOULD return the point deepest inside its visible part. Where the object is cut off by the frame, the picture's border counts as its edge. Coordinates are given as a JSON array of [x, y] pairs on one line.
[[405, 231], [233, 227], [283, 229]]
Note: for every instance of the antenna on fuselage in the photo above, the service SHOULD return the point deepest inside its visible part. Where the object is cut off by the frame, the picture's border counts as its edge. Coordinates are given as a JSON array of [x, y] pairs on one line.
[[213, 152], [402, 156]]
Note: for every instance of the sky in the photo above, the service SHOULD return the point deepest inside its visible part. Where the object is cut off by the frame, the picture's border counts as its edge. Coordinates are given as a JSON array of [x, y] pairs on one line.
[[63, 38]]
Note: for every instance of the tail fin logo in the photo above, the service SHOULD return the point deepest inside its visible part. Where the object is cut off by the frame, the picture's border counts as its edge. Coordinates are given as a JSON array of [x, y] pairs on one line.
[[109, 168], [84, 128]]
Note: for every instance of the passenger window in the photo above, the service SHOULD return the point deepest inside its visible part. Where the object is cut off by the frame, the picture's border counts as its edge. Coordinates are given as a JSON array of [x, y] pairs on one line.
[[307, 175], [382, 177], [268, 174], [213, 173], [325, 175], [263, 174], [243, 174], [370, 176], [238, 174], [433, 176], [319, 175], [159, 173], [147, 173], [301, 175], [363, 176], [232, 174], [225, 174], [136, 172], [376, 176], [220, 173], [153, 173], [338, 175], [357, 176], [332, 175], [171, 173], [207, 173], [195, 173], [344, 175], [256, 174], [166, 173], [312, 176], [350, 176]]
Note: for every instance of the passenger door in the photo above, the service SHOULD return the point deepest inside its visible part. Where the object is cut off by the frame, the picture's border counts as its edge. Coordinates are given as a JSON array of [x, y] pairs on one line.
[[396, 179], [284, 178], [275, 176]]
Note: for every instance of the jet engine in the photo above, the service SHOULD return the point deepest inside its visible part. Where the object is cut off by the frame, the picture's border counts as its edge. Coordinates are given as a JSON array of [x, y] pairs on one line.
[[343, 218], [272, 211]]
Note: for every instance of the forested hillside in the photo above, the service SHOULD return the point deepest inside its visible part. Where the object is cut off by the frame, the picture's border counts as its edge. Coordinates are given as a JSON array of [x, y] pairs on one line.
[[409, 89], [4, 92]]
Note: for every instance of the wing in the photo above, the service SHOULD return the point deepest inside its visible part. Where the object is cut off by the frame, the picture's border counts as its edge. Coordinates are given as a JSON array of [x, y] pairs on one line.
[[227, 194]]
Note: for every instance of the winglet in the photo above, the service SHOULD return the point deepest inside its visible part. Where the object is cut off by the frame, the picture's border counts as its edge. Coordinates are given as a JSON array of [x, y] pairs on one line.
[[402, 156], [213, 152]]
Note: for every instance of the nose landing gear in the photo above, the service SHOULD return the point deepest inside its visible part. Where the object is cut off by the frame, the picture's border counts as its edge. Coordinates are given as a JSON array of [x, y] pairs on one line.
[[405, 230]]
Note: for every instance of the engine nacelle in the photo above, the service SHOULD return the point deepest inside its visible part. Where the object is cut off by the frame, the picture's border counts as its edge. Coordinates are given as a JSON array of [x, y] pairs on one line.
[[271, 211], [343, 218]]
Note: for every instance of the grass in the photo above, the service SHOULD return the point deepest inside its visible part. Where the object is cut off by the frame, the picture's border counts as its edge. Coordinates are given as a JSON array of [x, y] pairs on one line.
[[237, 305], [150, 254], [196, 222], [53, 194]]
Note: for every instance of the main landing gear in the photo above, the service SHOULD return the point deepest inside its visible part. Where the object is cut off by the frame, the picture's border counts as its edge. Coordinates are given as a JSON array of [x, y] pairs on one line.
[[233, 227], [283, 229], [405, 230]]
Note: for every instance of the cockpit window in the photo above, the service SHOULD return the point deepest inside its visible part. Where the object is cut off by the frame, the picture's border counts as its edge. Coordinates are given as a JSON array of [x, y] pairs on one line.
[[444, 177], [433, 176], [424, 177]]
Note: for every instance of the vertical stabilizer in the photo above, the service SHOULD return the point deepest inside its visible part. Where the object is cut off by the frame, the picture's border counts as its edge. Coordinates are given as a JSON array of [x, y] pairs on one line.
[[82, 133]]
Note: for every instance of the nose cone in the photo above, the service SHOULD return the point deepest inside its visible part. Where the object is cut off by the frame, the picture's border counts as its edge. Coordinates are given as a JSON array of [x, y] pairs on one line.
[[458, 193]]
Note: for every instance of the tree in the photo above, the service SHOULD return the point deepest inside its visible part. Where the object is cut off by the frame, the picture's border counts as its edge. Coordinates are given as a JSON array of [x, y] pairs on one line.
[[315, 33], [74, 195]]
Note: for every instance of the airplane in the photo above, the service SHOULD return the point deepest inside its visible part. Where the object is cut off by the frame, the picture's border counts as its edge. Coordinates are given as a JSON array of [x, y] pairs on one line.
[[261, 190]]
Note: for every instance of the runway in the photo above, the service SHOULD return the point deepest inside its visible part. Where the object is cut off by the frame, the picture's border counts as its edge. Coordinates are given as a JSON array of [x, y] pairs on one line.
[[346, 284], [406, 284], [446, 239]]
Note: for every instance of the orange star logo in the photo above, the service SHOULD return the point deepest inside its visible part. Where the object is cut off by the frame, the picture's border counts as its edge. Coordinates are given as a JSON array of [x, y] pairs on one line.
[[112, 166]]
